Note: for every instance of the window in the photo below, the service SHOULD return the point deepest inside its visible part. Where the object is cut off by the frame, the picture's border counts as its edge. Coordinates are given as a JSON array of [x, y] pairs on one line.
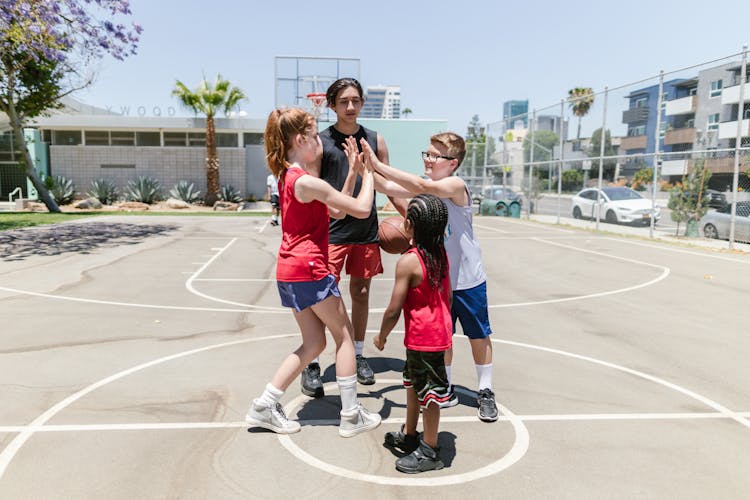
[[692, 90], [251, 138], [664, 99], [641, 102], [225, 140], [66, 137], [713, 122], [120, 138], [197, 139], [715, 88], [97, 137], [147, 139], [175, 139], [636, 131]]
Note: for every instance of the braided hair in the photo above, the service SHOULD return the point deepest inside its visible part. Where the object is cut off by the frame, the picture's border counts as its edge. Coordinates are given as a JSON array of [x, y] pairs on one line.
[[428, 216]]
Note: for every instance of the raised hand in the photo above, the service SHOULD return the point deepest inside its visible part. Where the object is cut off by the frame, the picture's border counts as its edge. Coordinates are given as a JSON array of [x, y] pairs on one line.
[[370, 158], [353, 155]]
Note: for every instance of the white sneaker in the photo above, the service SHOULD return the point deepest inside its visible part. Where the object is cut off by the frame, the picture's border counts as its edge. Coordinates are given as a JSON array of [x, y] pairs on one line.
[[357, 420], [271, 418]]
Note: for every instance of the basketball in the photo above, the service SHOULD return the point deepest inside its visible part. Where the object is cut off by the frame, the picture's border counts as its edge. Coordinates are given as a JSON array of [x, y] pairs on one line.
[[393, 239]]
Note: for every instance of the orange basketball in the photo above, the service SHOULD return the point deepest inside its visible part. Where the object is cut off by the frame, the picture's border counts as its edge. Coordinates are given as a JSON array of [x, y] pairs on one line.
[[392, 236]]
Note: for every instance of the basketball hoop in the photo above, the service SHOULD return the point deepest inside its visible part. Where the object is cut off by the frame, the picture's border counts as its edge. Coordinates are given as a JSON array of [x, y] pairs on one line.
[[317, 100]]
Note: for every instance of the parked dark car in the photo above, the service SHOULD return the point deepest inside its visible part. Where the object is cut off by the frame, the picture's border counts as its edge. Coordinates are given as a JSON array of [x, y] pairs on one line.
[[717, 199]]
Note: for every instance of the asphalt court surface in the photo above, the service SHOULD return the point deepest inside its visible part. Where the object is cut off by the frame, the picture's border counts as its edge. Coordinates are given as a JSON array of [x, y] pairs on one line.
[[127, 366]]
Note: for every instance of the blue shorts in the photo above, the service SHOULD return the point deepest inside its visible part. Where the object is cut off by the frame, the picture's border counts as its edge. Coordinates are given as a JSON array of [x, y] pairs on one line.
[[470, 308], [303, 294]]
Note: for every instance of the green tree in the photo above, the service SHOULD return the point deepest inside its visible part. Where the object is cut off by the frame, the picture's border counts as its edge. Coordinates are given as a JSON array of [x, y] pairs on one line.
[[208, 99], [609, 166], [46, 46], [580, 100], [476, 141], [406, 112], [544, 142], [687, 200], [641, 178], [572, 180]]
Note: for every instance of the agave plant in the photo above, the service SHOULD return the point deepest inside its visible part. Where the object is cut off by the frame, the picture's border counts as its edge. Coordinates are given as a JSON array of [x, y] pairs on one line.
[[230, 193], [144, 189], [185, 191], [60, 188], [104, 190]]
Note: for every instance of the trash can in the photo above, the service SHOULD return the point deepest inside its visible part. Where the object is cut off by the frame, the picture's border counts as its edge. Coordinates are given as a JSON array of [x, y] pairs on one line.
[[514, 209]]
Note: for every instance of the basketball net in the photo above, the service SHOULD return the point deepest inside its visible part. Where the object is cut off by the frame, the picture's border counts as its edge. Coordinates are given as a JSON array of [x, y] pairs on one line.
[[318, 100]]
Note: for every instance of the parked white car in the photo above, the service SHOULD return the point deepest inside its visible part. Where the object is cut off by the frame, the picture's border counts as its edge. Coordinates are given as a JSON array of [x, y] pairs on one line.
[[715, 224], [618, 205]]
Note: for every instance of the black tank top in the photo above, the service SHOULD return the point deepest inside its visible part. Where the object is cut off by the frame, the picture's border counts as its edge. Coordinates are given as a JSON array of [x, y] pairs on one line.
[[333, 169]]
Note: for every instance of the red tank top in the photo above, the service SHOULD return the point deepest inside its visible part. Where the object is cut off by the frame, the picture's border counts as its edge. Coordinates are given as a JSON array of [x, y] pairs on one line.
[[303, 254], [427, 314]]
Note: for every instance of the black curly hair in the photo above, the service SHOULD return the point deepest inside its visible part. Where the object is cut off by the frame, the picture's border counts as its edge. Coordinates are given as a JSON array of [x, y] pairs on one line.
[[428, 216]]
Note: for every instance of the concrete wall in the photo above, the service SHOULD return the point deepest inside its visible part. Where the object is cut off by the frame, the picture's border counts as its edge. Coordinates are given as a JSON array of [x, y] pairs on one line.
[[83, 164]]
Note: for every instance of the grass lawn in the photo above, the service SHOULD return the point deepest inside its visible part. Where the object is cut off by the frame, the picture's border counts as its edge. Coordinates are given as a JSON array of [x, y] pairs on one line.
[[15, 220]]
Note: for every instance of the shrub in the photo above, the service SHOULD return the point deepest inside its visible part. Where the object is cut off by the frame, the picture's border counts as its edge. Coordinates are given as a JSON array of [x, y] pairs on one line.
[[104, 190], [144, 189], [229, 193], [185, 191], [60, 188], [572, 180]]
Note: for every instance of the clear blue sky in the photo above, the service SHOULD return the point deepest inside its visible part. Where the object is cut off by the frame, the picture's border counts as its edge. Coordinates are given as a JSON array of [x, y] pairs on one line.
[[451, 59]]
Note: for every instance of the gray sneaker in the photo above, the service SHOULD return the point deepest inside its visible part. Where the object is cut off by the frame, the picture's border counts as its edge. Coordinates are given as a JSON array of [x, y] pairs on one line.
[[365, 376], [271, 418], [357, 420], [487, 407]]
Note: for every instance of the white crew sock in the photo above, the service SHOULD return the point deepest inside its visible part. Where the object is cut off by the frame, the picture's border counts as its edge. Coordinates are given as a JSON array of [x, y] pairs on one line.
[[484, 375], [348, 391], [270, 396], [448, 374], [359, 346]]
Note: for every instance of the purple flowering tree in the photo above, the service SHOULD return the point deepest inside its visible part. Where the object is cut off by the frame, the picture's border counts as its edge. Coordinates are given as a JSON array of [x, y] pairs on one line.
[[45, 48]]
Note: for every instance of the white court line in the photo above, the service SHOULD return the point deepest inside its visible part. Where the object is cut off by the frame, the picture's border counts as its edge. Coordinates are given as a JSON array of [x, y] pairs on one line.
[[487, 228], [680, 250], [663, 275], [264, 226], [191, 288], [470, 419]]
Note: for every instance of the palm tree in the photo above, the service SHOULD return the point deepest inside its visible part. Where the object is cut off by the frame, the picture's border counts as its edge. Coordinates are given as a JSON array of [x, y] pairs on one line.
[[580, 99], [406, 112], [208, 99]]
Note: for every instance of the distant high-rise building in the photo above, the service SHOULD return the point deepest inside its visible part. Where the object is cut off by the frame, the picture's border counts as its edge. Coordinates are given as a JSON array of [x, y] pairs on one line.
[[552, 123], [382, 101], [514, 111]]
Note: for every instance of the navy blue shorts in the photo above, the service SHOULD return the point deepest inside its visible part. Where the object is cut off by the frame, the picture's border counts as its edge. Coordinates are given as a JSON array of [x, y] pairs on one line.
[[303, 294], [470, 308]]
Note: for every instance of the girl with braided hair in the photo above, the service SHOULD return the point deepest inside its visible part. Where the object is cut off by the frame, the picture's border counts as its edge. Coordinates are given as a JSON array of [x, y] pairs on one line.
[[305, 284], [423, 290]]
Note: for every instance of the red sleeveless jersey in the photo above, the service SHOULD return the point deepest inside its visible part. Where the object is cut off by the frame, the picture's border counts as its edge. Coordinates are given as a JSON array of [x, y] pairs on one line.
[[303, 254], [427, 314]]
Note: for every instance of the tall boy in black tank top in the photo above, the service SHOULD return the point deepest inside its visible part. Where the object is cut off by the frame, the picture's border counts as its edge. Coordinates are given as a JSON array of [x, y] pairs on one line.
[[352, 242]]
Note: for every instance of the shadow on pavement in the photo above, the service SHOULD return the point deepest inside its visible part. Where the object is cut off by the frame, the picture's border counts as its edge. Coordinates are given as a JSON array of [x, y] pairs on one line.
[[58, 239]]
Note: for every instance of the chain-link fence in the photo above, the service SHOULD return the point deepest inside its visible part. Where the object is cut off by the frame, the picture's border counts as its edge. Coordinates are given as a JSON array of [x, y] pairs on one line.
[[649, 136]]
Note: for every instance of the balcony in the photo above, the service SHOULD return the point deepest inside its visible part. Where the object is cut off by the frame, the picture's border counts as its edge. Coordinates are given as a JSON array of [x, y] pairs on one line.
[[728, 130], [731, 95], [679, 136], [634, 142], [674, 167], [724, 165], [635, 115], [681, 106]]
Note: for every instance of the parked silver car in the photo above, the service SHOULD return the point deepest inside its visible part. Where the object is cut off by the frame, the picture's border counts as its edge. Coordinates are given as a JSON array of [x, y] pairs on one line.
[[715, 224], [618, 204]]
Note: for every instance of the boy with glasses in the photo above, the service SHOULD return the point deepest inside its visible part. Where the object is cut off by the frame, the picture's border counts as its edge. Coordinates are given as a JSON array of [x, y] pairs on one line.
[[468, 279]]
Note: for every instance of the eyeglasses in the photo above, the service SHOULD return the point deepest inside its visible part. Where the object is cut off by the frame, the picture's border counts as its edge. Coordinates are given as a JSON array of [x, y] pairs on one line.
[[433, 157]]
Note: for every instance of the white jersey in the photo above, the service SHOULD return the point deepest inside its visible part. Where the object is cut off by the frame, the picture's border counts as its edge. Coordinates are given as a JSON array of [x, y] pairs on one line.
[[273, 183], [464, 254]]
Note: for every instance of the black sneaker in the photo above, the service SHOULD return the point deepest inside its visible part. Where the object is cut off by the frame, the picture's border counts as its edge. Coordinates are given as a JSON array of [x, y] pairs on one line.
[[424, 458], [365, 376], [312, 384], [404, 443], [487, 407]]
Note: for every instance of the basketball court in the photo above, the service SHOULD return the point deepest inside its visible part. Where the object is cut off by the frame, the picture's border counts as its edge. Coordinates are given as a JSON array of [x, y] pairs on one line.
[[129, 361]]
